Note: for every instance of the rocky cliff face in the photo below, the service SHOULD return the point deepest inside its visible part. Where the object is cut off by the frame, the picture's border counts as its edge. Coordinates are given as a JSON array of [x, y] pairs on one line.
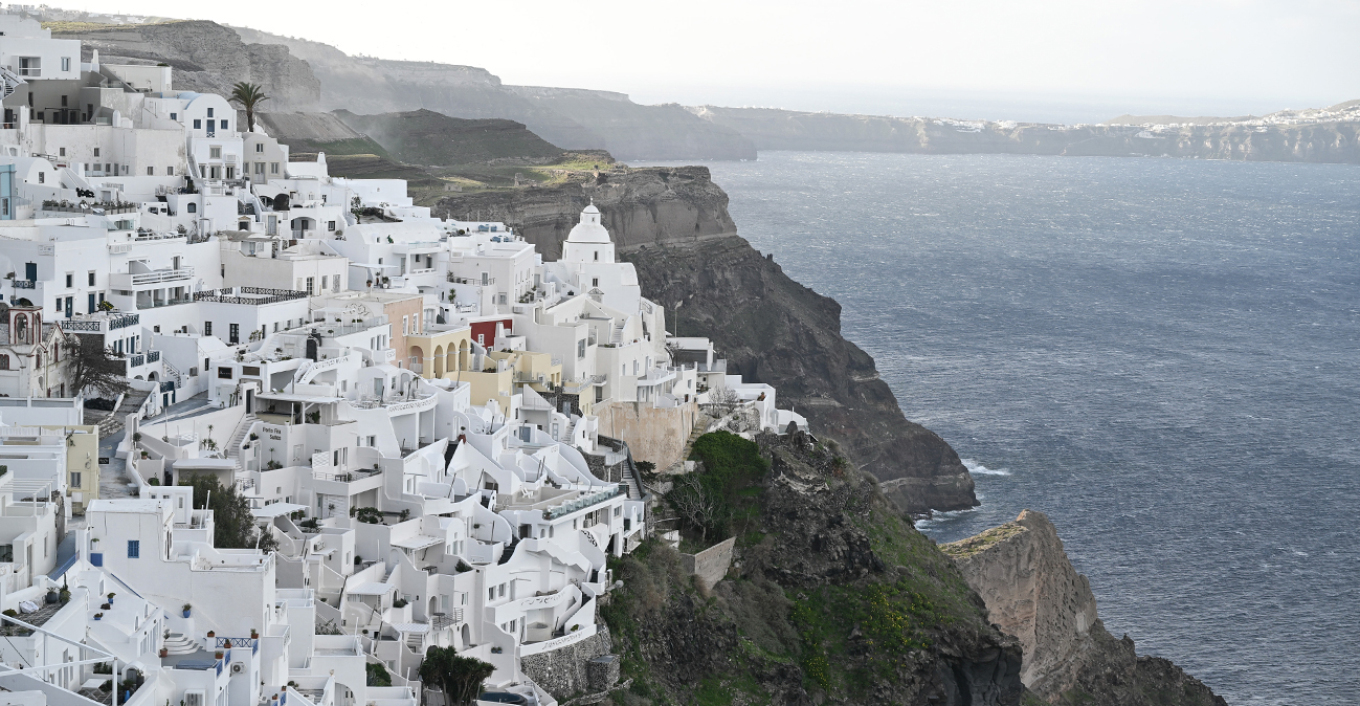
[[771, 129], [208, 57], [674, 226], [1033, 592], [836, 600]]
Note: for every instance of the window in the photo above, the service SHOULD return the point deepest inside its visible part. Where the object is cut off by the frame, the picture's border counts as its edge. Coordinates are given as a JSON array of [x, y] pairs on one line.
[[224, 373], [259, 167], [169, 171], [65, 66], [273, 167], [207, 328], [581, 348], [96, 151], [75, 479], [198, 125], [63, 98], [259, 146], [235, 333], [324, 282], [594, 281], [151, 171], [174, 116], [134, 549], [61, 152], [597, 255], [4, 362], [330, 225], [42, 177], [192, 207], [91, 278], [70, 279], [214, 153], [210, 112], [405, 325], [224, 125], [491, 593], [311, 281]]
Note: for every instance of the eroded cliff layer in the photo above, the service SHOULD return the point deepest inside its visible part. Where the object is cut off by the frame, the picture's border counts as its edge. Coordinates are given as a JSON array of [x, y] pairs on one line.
[[674, 226], [773, 129], [1032, 592]]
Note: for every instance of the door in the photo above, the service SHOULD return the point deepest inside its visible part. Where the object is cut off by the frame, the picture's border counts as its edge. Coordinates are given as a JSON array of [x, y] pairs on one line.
[[92, 304], [31, 271]]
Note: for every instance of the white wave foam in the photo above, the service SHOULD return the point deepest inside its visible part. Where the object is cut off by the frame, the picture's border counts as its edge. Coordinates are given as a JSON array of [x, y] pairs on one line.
[[939, 518], [978, 469]]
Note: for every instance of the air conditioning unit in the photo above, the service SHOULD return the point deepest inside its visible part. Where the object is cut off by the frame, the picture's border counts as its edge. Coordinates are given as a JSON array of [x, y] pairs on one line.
[[238, 667]]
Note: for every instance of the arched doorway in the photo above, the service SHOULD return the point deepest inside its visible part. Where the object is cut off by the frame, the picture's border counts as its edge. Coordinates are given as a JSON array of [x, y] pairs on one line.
[[438, 361], [417, 359]]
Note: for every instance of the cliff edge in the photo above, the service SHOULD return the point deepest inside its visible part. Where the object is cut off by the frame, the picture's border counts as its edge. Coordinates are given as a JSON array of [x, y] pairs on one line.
[[673, 224], [1033, 593]]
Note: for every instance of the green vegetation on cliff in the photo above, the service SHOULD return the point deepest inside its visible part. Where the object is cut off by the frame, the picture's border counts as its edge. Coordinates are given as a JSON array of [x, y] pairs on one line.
[[836, 599]]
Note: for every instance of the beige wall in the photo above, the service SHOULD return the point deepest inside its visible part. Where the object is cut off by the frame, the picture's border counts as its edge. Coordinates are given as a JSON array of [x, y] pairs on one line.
[[656, 435]]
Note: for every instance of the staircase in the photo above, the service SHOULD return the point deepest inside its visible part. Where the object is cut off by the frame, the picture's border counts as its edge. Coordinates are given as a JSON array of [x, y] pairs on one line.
[[132, 403], [9, 82], [178, 644], [173, 373], [416, 641], [242, 429]]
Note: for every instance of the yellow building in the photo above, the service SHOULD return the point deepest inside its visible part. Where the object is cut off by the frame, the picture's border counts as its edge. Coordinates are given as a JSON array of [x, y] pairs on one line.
[[536, 370], [82, 465], [434, 354]]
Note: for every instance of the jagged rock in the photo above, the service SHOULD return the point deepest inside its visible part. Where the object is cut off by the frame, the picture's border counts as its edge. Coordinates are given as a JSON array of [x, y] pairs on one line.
[[1033, 592]]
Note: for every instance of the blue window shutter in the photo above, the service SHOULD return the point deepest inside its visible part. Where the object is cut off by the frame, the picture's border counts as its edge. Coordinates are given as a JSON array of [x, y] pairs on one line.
[[134, 549], [97, 558]]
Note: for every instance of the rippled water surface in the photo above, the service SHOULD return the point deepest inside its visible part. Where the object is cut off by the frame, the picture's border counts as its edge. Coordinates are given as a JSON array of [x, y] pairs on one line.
[[1162, 355]]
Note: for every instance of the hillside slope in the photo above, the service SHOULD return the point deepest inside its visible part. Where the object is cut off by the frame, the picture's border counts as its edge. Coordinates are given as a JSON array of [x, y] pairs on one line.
[[434, 139], [832, 598]]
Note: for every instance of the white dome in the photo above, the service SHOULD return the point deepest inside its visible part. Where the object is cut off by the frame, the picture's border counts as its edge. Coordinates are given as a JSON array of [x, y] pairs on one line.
[[589, 229]]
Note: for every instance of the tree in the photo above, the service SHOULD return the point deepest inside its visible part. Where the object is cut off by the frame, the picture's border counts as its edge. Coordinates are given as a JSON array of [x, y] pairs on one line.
[[249, 95], [233, 524], [696, 505], [92, 366], [377, 675], [459, 677]]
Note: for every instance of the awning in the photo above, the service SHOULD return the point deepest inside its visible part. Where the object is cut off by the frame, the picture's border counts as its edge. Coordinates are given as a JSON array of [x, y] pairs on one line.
[[412, 627], [277, 509], [371, 588]]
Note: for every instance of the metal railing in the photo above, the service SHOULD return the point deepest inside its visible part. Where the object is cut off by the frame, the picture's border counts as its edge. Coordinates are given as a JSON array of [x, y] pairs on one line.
[[157, 276], [583, 502], [24, 284], [153, 356]]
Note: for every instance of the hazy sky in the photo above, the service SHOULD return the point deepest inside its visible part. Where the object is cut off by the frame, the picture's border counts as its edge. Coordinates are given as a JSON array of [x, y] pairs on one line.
[[1205, 56]]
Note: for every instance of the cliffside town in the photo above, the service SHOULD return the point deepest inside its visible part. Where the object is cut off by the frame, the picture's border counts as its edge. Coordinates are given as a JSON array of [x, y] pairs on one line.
[[271, 433]]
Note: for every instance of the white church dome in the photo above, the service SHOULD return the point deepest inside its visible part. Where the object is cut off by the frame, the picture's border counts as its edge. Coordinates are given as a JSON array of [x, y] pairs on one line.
[[589, 229]]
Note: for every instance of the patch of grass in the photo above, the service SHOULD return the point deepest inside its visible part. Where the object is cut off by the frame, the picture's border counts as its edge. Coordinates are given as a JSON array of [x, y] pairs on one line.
[[980, 543]]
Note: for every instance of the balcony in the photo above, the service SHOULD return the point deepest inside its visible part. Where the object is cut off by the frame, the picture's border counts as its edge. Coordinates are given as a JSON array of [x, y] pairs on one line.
[[150, 279], [251, 296], [583, 502], [23, 284]]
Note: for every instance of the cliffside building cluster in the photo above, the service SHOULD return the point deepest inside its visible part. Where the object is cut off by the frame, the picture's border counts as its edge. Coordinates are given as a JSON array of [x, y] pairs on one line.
[[436, 428]]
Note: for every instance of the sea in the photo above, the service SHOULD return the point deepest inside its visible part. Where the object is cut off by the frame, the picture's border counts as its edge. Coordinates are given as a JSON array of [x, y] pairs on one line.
[[1162, 355]]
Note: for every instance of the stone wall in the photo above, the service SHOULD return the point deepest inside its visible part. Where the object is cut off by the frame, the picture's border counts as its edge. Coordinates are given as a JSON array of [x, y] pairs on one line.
[[653, 434], [565, 672], [711, 564]]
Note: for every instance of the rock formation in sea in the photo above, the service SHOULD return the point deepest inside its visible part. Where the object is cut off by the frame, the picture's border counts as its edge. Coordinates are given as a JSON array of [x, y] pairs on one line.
[[1033, 592]]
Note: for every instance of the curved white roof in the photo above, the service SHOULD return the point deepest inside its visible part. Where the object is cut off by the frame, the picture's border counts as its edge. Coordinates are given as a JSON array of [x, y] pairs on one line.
[[589, 229]]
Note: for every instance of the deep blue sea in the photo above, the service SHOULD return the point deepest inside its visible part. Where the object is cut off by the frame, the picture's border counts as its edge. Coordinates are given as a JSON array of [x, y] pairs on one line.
[[1162, 355]]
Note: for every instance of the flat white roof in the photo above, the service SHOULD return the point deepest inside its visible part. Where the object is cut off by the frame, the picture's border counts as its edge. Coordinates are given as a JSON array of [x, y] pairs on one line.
[[277, 509]]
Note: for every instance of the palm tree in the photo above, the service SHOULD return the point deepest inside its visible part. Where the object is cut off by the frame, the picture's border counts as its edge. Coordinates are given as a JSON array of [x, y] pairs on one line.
[[248, 95]]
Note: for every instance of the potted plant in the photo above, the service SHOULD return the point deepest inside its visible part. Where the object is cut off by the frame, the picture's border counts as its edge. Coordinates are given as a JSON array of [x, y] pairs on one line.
[[218, 654], [254, 635], [212, 633], [52, 596], [98, 616], [64, 596], [111, 595], [187, 608], [165, 652], [227, 643]]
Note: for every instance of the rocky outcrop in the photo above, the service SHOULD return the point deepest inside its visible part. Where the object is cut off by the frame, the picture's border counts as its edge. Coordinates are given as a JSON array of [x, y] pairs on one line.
[[207, 57], [433, 139], [835, 600], [1032, 592], [773, 129], [674, 226]]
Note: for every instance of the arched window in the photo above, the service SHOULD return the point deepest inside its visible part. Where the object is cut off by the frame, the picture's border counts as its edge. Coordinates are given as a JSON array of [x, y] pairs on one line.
[[37, 360], [4, 362], [192, 207], [56, 354]]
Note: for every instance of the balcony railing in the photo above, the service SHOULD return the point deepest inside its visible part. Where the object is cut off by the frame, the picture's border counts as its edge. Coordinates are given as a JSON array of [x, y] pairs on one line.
[[583, 502], [469, 280], [24, 284], [153, 356], [257, 295], [136, 360], [158, 276]]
